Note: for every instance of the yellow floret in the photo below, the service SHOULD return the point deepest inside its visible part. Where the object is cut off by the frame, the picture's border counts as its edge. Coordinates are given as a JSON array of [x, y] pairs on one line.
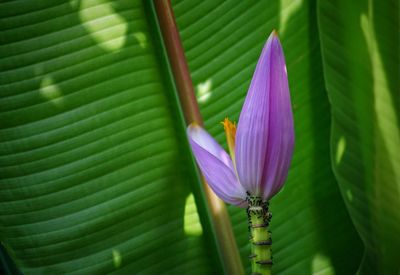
[[230, 132]]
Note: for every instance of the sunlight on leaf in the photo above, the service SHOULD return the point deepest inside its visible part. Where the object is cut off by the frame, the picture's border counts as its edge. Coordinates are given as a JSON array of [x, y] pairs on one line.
[[386, 119], [141, 38], [74, 3], [321, 265], [359, 60], [291, 7], [340, 148], [192, 225], [349, 195], [117, 258], [50, 91], [203, 91], [104, 25]]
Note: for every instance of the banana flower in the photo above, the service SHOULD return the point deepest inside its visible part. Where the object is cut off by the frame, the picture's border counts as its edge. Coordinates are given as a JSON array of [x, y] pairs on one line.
[[260, 149]]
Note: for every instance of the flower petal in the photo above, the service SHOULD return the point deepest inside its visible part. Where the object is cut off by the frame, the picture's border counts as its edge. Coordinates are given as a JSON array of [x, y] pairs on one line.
[[281, 128], [265, 135], [252, 131], [216, 166], [205, 140]]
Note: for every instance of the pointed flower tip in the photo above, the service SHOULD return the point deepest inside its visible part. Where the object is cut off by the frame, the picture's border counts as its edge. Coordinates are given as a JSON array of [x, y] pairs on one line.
[[274, 38]]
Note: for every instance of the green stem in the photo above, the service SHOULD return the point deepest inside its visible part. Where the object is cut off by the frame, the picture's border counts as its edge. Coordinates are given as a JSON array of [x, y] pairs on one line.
[[260, 237]]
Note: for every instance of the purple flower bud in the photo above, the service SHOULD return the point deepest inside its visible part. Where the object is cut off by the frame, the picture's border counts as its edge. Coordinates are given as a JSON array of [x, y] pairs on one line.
[[264, 140]]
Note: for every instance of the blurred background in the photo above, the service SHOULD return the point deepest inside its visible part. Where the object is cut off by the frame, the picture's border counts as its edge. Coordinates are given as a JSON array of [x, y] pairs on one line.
[[96, 176]]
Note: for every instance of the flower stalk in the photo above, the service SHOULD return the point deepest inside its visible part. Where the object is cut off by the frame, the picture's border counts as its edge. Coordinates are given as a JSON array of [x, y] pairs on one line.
[[259, 218]]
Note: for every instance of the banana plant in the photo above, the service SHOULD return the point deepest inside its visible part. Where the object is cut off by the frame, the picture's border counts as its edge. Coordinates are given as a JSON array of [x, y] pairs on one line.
[[96, 171]]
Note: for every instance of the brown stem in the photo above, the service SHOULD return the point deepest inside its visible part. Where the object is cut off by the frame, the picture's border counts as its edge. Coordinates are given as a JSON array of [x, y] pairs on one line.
[[228, 250]]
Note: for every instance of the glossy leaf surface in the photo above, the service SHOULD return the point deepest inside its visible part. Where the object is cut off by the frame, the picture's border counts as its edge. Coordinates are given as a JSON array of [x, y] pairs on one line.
[[96, 175], [361, 64], [223, 40], [90, 144]]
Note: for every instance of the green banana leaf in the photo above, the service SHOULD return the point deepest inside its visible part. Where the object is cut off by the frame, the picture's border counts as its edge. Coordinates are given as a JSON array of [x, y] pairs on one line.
[[223, 40], [360, 46], [96, 175]]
